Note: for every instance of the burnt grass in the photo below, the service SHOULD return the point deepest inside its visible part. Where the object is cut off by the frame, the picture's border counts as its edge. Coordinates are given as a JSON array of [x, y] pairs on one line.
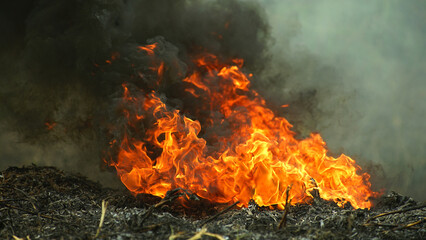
[[46, 203]]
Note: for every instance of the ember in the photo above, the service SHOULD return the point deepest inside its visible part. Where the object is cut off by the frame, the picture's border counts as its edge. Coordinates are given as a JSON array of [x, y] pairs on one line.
[[232, 148]]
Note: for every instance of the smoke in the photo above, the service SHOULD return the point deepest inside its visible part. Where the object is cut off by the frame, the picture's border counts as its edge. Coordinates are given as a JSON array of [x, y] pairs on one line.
[[352, 71], [58, 85], [364, 62]]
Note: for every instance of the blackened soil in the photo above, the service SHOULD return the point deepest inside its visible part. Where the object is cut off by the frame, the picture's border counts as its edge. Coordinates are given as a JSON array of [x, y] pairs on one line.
[[46, 203]]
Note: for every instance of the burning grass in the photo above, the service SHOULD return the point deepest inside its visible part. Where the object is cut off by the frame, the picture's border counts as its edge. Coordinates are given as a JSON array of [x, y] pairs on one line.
[[46, 203], [228, 147]]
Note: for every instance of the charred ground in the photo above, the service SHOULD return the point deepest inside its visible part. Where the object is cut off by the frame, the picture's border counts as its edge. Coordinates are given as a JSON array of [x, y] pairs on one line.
[[44, 202]]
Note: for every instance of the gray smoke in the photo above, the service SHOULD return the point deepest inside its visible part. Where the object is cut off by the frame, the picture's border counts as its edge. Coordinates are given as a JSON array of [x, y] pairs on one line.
[[364, 62]]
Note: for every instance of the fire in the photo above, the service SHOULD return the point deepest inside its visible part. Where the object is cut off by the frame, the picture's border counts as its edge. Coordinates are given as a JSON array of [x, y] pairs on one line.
[[149, 49], [241, 151]]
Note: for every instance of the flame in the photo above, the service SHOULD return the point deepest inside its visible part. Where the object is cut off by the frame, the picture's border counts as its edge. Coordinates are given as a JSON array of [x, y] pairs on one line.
[[149, 49], [257, 158]]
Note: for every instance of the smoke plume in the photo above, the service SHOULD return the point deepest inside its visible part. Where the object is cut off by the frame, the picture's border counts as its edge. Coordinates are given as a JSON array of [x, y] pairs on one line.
[[351, 71], [58, 84], [365, 62]]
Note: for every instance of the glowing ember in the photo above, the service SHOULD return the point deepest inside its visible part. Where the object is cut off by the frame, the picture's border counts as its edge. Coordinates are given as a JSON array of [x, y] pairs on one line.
[[149, 49], [50, 125], [256, 158]]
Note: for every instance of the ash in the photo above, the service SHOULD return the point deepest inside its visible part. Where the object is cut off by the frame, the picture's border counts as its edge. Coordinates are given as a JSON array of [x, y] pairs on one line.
[[46, 203]]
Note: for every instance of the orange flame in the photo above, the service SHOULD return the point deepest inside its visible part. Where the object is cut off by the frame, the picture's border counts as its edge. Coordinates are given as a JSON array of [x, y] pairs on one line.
[[257, 159], [149, 49]]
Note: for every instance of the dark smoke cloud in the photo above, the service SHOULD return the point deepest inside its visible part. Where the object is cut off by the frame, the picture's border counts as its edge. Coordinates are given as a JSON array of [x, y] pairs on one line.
[[54, 68]]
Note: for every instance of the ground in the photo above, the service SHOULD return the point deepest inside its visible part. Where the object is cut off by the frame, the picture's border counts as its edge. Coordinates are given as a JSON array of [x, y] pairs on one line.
[[46, 203]]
